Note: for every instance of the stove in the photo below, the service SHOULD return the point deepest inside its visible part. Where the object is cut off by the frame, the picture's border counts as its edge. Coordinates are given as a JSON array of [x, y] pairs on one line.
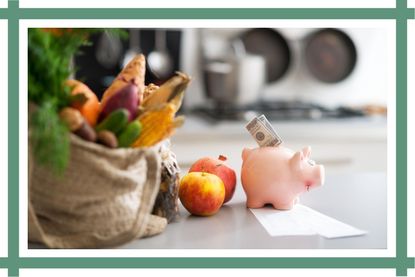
[[351, 71], [277, 111]]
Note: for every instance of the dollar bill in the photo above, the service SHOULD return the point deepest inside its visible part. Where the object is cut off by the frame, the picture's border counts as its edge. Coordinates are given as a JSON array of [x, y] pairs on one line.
[[263, 133], [268, 125]]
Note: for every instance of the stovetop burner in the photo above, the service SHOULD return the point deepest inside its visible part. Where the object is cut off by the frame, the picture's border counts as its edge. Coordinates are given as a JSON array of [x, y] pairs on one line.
[[278, 110]]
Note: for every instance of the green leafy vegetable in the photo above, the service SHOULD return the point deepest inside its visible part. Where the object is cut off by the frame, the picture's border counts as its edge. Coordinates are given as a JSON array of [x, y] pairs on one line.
[[49, 137], [50, 56]]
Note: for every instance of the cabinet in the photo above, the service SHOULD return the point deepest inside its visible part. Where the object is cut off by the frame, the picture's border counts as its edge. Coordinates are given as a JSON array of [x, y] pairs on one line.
[[343, 146]]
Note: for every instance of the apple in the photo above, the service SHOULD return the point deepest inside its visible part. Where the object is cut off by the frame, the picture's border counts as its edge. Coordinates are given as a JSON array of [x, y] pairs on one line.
[[220, 169], [201, 193]]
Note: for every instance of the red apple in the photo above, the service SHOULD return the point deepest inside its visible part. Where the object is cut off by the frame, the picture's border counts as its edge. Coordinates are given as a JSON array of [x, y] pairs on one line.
[[220, 169], [201, 193]]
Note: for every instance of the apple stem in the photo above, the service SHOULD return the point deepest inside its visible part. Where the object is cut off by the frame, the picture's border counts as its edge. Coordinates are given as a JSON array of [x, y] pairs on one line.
[[222, 158]]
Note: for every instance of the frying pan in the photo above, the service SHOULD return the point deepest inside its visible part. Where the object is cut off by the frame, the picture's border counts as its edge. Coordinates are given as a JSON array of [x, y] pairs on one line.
[[270, 44], [330, 55]]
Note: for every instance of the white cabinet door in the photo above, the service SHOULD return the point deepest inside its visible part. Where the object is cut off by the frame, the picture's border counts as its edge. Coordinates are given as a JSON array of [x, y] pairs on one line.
[[345, 148]]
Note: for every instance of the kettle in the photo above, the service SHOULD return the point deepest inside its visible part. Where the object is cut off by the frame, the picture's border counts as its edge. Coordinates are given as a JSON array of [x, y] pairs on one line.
[[235, 80]]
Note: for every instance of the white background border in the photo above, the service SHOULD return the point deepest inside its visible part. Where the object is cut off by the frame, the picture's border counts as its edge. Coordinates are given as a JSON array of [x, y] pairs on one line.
[[389, 27], [3, 272], [208, 272], [4, 138], [208, 4]]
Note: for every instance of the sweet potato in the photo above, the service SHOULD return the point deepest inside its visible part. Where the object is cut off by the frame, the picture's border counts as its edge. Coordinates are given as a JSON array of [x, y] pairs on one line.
[[133, 73], [126, 98], [90, 108]]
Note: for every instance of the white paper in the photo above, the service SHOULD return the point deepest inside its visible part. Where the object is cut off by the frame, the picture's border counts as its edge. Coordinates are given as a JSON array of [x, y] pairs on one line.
[[302, 220]]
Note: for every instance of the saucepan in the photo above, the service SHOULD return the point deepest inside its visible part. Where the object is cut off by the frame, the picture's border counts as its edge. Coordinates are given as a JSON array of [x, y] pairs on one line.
[[235, 80]]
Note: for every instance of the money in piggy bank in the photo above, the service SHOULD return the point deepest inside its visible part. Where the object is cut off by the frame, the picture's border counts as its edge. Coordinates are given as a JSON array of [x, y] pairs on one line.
[[277, 175]]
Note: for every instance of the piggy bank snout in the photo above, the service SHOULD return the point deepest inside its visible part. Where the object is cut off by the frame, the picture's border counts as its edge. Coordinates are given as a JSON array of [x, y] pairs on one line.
[[320, 175]]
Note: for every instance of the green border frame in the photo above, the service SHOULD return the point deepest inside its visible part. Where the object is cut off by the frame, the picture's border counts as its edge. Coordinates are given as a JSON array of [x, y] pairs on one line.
[[400, 14]]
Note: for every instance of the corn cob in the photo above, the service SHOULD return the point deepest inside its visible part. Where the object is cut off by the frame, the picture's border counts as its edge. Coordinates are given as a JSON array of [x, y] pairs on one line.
[[158, 124], [178, 121], [149, 90], [170, 91]]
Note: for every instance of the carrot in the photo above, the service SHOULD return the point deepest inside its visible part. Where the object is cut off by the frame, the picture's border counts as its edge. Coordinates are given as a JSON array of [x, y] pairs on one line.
[[91, 107]]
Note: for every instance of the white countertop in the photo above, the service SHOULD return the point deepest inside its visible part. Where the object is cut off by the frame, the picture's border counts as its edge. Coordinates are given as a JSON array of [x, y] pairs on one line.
[[356, 199], [357, 196], [339, 129]]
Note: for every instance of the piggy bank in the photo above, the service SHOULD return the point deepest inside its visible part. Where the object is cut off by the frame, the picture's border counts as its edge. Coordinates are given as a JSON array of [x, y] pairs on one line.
[[277, 175]]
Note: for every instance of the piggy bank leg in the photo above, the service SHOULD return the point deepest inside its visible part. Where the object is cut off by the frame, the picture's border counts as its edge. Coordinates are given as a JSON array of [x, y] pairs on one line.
[[284, 206], [254, 203]]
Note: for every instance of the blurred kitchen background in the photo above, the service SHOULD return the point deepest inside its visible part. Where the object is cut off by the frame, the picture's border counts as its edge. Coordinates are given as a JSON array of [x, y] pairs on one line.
[[326, 88]]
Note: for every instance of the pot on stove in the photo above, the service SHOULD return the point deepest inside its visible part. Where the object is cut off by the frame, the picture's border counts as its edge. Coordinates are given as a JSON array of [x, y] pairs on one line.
[[235, 80]]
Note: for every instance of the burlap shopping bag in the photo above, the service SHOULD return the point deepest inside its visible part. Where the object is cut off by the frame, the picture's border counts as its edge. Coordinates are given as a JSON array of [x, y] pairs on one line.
[[104, 199]]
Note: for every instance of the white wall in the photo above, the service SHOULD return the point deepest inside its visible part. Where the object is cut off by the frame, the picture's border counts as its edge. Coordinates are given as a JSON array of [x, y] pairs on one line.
[[368, 83]]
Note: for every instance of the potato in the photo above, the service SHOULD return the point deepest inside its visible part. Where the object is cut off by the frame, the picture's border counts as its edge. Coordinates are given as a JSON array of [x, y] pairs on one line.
[[86, 132], [107, 138], [72, 118]]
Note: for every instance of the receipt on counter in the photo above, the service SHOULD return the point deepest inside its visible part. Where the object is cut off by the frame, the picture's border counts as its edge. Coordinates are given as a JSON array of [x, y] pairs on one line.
[[302, 220]]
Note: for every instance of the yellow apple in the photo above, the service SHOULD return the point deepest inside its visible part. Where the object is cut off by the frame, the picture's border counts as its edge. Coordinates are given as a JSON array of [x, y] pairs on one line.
[[201, 193], [220, 169]]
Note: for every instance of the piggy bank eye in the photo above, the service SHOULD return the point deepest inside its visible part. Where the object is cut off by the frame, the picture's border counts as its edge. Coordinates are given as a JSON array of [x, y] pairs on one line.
[[311, 162]]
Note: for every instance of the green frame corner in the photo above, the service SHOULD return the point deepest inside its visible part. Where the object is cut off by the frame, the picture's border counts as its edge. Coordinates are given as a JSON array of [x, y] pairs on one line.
[[400, 14]]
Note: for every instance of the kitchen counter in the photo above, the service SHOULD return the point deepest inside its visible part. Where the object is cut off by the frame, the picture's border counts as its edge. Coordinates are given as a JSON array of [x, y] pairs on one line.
[[358, 200], [354, 153]]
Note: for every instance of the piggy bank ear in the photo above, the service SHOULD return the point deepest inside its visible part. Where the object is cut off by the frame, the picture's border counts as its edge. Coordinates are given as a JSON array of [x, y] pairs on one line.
[[307, 152], [245, 153], [296, 160]]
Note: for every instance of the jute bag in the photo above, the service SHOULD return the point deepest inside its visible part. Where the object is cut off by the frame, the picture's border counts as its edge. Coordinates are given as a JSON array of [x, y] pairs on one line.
[[104, 199]]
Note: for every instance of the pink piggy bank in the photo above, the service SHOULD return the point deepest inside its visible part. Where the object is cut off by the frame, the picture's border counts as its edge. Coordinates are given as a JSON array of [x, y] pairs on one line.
[[277, 175]]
